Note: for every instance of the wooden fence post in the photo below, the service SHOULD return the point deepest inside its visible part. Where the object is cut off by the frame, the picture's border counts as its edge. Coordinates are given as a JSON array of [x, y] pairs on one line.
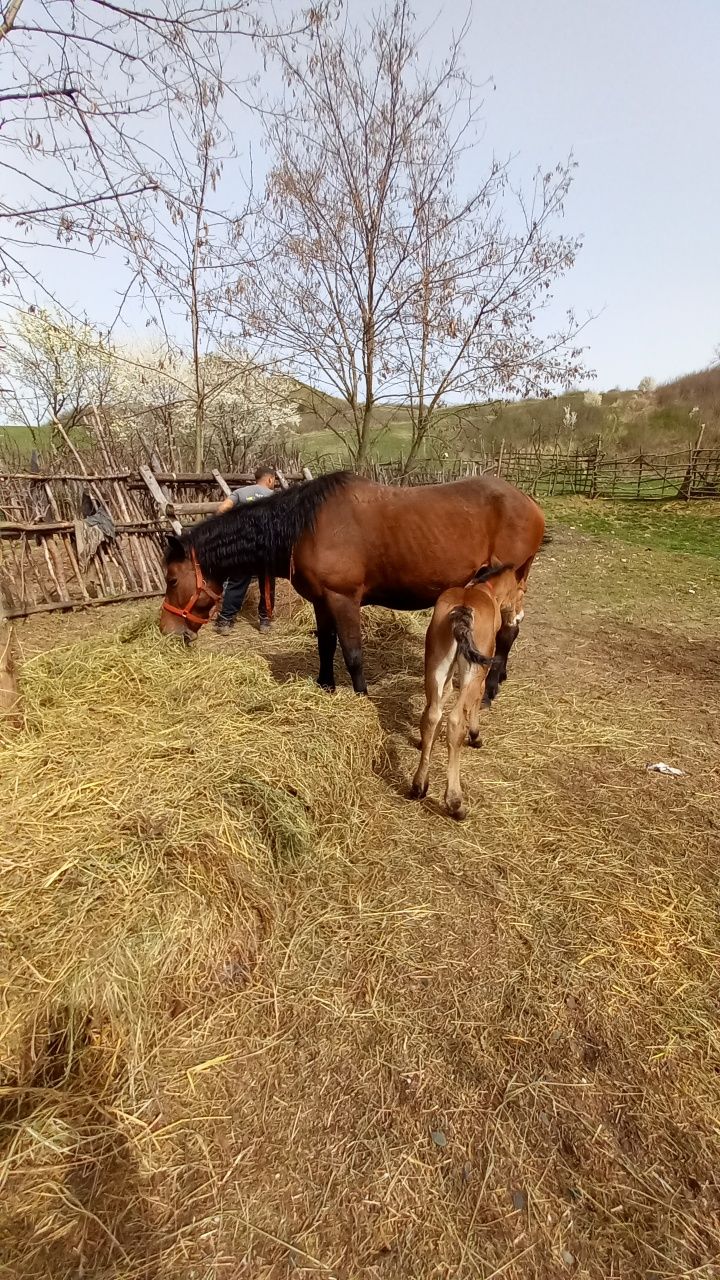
[[161, 498], [500, 458], [222, 483], [686, 487], [592, 470], [9, 697]]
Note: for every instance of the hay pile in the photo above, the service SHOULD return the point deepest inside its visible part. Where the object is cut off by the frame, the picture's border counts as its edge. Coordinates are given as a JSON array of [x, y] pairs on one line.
[[263, 1018], [152, 810]]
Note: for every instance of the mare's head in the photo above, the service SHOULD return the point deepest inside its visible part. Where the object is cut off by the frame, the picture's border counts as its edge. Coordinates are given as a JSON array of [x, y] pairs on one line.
[[190, 597]]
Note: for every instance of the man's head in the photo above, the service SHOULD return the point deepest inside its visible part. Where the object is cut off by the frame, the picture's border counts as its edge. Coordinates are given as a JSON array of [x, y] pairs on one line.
[[266, 477]]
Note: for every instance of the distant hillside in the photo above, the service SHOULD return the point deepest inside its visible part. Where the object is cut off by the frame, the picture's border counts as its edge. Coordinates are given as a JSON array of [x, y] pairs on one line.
[[654, 420], [695, 391]]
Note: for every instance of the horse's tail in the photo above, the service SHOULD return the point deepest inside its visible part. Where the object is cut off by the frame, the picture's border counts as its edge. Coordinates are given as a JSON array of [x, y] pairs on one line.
[[461, 618]]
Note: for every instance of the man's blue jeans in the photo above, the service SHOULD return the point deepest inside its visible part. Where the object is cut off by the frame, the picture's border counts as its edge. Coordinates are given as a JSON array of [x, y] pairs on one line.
[[236, 589]]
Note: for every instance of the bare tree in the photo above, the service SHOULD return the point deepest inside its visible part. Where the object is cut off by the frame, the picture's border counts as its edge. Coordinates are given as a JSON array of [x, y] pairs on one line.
[[190, 268], [90, 93], [373, 277]]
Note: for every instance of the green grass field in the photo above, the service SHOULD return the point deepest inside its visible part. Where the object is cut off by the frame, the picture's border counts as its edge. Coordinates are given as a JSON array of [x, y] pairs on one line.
[[624, 421], [21, 438], [690, 528]]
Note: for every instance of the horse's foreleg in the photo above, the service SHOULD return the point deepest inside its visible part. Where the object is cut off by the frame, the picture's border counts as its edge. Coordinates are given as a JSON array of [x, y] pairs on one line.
[[347, 620], [327, 644]]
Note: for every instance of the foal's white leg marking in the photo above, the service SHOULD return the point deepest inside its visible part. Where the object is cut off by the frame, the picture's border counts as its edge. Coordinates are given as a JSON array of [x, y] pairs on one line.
[[444, 670], [468, 673], [436, 686]]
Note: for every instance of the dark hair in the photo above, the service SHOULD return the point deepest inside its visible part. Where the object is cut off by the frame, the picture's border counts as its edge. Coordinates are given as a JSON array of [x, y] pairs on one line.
[[263, 471]]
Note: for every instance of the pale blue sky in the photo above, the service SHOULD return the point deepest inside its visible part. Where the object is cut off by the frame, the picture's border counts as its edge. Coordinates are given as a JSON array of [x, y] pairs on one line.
[[631, 87]]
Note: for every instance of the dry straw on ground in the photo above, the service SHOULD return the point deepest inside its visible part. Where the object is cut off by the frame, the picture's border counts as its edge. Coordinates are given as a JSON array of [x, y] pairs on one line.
[[262, 1017]]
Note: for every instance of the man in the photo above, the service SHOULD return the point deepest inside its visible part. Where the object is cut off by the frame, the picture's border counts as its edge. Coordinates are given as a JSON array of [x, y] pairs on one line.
[[235, 589]]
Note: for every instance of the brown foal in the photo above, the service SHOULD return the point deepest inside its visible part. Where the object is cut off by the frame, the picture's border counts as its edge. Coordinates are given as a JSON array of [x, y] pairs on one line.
[[462, 635]]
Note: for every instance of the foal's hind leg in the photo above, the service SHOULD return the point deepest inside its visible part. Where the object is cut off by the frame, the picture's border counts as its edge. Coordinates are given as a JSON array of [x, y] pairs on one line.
[[456, 727], [436, 684], [473, 718], [465, 712], [476, 700]]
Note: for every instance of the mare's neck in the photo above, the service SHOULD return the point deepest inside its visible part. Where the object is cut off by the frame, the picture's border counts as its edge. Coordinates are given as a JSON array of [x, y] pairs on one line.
[[241, 541]]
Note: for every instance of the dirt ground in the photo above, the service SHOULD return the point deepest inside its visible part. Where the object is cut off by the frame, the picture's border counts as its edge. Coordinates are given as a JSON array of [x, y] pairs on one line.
[[510, 1061]]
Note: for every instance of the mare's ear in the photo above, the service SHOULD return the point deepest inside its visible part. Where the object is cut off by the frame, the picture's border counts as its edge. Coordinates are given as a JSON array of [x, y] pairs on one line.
[[174, 549]]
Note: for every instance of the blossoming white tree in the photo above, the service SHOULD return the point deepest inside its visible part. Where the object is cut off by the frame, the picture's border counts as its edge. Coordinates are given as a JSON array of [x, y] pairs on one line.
[[247, 412], [54, 371], [51, 369]]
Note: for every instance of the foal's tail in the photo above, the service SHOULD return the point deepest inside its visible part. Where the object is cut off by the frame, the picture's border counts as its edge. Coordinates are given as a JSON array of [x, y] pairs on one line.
[[461, 618]]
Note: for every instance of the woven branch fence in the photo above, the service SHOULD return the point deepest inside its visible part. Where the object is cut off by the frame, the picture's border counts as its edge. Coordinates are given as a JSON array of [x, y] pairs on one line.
[[74, 540], [81, 539], [693, 473]]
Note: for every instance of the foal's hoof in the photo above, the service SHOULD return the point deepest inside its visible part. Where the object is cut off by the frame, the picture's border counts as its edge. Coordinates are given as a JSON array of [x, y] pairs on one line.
[[418, 790], [456, 809], [326, 688]]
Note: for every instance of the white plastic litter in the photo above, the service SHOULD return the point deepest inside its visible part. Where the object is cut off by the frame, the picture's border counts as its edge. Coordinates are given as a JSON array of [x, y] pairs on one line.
[[665, 768]]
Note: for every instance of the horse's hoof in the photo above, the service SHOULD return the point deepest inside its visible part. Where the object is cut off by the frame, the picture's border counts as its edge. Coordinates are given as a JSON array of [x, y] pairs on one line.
[[418, 791], [326, 688], [456, 809]]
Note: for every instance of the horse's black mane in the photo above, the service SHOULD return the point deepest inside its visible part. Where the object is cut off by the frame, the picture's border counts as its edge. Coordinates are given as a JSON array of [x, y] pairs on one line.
[[258, 534]]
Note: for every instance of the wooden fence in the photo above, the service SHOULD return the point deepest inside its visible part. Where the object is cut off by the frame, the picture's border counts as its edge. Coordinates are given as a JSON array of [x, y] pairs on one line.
[[79, 539], [684, 474], [74, 540]]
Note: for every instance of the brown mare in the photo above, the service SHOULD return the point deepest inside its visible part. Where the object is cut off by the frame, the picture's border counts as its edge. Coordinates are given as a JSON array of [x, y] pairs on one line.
[[345, 542], [462, 635]]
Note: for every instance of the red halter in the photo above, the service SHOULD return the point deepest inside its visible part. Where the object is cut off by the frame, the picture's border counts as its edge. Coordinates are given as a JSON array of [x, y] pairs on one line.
[[200, 586]]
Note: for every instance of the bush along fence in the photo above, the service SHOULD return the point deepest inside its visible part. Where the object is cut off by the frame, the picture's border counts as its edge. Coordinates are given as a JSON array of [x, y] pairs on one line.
[[82, 539], [88, 538]]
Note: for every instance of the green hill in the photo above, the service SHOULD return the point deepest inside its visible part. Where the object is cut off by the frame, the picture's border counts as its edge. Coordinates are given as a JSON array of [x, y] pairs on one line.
[[652, 420]]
